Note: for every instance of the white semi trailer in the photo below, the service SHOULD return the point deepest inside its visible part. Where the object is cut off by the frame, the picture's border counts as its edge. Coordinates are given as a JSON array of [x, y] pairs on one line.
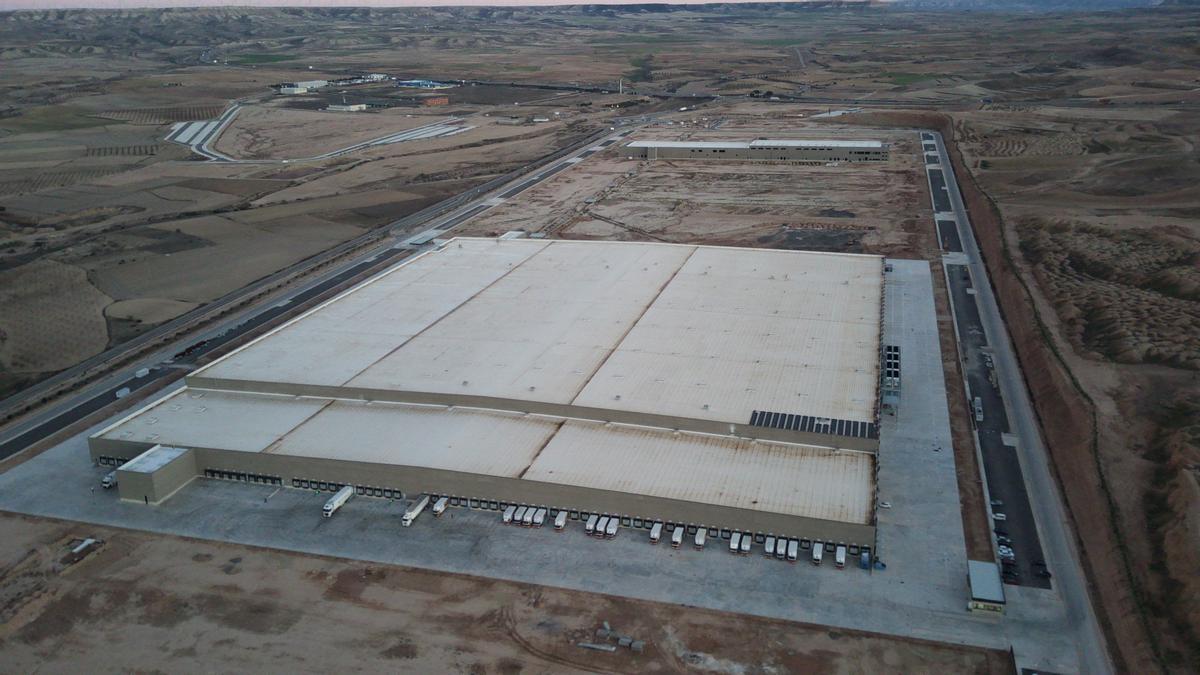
[[335, 502], [439, 507], [415, 510]]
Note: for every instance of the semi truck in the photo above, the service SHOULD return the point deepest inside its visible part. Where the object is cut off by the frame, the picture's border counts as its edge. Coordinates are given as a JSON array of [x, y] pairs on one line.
[[601, 526], [735, 542], [109, 480], [519, 515], [415, 510], [539, 517], [527, 519], [611, 530], [839, 556], [590, 526], [560, 520], [439, 507], [793, 550], [335, 502], [769, 547], [508, 514], [701, 537], [747, 540], [655, 533], [677, 536], [818, 552]]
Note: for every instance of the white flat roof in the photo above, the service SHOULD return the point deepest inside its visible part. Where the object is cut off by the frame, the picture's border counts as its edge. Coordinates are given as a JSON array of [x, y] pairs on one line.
[[153, 459], [818, 143], [791, 479], [728, 145], [693, 331], [761, 143]]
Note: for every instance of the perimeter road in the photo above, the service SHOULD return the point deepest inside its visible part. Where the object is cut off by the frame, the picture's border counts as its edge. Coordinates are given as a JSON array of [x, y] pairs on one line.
[[1056, 537]]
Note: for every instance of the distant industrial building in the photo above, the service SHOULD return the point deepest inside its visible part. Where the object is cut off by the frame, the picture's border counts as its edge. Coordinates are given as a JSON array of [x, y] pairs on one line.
[[346, 107], [765, 150], [424, 84], [293, 90], [724, 389]]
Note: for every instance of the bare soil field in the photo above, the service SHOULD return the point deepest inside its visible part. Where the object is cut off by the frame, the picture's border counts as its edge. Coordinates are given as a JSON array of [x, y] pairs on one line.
[[151, 602], [275, 132], [877, 208]]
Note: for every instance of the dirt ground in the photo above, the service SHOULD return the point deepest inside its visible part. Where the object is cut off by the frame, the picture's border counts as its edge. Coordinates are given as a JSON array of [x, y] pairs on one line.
[[270, 131], [876, 208], [159, 603]]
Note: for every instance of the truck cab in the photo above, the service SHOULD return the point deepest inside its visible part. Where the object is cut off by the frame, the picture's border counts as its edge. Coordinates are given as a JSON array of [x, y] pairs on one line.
[[109, 480]]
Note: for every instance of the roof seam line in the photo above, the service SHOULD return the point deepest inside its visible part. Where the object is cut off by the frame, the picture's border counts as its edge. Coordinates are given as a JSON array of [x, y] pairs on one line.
[[443, 317], [616, 345]]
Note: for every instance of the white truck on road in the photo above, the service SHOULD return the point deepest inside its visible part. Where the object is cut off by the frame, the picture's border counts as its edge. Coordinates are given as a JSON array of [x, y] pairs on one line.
[[335, 502], [415, 510]]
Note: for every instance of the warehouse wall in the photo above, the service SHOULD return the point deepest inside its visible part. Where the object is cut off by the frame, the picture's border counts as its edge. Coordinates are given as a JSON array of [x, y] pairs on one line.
[[416, 480], [744, 430], [763, 154]]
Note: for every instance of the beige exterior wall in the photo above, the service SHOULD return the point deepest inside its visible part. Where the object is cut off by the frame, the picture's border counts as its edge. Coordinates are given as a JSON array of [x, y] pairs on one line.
[[415, 480], [154, 487]]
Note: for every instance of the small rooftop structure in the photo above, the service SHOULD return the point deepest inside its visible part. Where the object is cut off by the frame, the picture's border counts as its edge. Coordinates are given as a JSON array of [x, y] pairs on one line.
[[987, 591]]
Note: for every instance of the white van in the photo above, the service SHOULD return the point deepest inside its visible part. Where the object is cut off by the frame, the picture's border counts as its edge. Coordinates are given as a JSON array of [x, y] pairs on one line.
[[560, 520], [818, 552], [839, 556], [793, 550], [677, 536], [655, 533], [735, 542], [769, 547], [701, 537], [592, 521]]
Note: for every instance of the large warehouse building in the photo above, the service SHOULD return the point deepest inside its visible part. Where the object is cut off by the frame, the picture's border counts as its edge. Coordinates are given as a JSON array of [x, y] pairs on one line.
[[764, 150], [725, 388]]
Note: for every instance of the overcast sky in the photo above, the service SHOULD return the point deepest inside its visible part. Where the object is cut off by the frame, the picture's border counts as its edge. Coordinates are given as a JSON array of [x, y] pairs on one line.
[[109, 4]]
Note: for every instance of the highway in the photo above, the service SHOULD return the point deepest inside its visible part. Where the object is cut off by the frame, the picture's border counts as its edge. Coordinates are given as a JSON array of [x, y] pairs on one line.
[[172, 362], [1012, 400]]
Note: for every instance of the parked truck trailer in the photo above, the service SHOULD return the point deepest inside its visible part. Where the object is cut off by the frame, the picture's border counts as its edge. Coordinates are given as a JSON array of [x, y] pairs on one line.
[[335, 502], [415, 510]]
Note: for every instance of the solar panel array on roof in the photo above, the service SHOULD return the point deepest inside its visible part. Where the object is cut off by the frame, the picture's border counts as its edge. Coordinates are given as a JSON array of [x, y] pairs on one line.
[[810, 424]]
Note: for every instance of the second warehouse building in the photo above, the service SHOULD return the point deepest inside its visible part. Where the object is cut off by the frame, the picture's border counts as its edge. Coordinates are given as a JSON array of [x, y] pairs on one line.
[[724, 388]]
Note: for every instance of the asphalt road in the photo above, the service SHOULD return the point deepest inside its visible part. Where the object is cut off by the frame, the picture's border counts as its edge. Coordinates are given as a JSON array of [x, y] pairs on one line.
[[1050, 513]]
